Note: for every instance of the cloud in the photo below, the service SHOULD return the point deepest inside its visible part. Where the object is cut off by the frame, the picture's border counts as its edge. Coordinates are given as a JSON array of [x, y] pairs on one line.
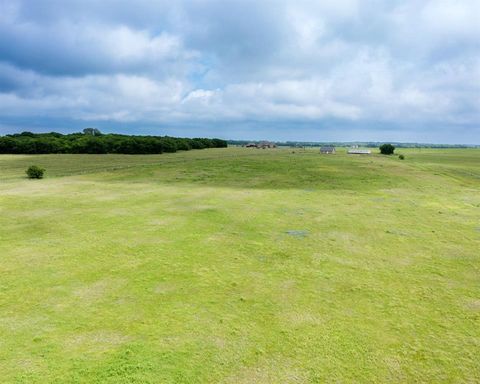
[[363, 66], [64, 48]]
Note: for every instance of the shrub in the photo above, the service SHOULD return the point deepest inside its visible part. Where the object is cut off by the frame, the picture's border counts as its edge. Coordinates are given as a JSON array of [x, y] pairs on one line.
[[35, 172], [401, 157], [387, 149]]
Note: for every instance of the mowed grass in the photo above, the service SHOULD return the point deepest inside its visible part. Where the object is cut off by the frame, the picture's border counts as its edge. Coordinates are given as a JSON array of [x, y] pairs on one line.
[[241, 266]]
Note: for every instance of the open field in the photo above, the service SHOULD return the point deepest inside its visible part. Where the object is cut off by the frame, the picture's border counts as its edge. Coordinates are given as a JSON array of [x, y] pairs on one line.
[[241, 266]]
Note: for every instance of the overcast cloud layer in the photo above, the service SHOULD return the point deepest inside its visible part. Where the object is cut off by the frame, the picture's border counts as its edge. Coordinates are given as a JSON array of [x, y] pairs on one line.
[[301, 70]]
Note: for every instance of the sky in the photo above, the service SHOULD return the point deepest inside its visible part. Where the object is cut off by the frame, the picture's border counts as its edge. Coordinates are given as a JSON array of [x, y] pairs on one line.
[[331, 70]]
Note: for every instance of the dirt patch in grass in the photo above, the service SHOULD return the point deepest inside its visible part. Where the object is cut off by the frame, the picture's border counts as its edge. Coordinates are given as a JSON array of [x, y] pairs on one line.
[[269, 371], [297, 232], [93, 292], [298, 319], [396, 232], [19, 323], [160, 222], [165, 287], [28, 365], [473, 305], [96, 341]]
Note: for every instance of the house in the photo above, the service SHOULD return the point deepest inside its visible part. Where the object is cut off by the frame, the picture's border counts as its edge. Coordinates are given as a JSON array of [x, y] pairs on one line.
[[261, 144], [266, 144], [359, 152], [327, 150]]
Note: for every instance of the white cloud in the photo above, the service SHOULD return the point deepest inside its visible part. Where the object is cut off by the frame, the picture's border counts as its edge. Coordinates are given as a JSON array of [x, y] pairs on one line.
[[403, 63]]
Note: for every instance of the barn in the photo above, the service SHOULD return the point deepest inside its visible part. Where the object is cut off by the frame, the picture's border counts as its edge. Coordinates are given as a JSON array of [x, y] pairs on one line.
[[261, 144], [327, 150], [266, 144], [359, 152]]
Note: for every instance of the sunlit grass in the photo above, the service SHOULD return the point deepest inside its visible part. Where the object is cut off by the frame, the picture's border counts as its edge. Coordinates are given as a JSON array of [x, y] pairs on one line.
[[241, 266]]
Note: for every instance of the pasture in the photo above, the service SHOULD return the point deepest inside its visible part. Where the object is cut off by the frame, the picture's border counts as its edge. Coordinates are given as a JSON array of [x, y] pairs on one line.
[[241, 266]]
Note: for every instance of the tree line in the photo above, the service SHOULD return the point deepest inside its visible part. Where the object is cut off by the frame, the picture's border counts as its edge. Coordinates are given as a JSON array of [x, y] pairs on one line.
[[93, 141], [367, 144]]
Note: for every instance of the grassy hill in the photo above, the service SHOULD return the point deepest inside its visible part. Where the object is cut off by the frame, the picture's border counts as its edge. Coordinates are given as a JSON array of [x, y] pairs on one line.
[[241, 266]]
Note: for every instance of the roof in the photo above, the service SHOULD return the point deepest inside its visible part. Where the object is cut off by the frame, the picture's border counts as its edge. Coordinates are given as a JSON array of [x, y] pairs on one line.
[[359, 151], [327, 149]]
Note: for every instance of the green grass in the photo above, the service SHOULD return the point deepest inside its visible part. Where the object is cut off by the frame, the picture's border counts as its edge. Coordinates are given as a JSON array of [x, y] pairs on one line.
[[183, 268]]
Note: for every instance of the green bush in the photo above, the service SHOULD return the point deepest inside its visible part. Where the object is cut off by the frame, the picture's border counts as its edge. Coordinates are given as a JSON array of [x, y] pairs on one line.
[[35, 172], [401, 157], [387, 149]]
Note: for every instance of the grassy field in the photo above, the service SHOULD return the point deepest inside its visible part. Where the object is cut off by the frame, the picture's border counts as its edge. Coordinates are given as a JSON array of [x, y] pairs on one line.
[[241, 266]]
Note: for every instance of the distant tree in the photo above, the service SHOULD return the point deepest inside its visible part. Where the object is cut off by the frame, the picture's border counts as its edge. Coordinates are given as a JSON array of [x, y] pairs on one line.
[[92, 132], [92, 141], [168, 144], [35, 172], [89, 145], [196, 144], [401, 157], [218, 143], [387, 149], [26, 145], [55, 134], [8, 145], [183, 145]]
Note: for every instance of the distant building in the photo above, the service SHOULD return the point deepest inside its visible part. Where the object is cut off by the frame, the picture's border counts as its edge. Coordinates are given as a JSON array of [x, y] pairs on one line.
[[327, 150], [261, 144], [266, 144], [359, 151]]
